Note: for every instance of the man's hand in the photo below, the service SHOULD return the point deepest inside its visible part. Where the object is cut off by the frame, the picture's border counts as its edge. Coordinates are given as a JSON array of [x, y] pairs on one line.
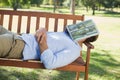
[[41, 37]]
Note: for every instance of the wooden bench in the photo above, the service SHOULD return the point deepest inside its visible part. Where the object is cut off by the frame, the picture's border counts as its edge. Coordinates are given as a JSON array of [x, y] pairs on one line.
[[42, 19]]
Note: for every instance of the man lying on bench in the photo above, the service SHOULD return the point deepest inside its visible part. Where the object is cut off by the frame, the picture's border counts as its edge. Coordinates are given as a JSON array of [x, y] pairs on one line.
[[54, 49]]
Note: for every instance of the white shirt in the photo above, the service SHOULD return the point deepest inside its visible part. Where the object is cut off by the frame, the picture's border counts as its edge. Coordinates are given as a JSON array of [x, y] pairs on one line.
[[61, 49]]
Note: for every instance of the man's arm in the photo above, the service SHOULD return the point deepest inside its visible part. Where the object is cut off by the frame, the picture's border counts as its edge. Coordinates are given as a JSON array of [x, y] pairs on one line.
[[41, 37], [60, 58]]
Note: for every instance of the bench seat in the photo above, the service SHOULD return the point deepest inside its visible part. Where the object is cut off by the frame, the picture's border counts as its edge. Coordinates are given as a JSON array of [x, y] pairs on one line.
[[37, 64]]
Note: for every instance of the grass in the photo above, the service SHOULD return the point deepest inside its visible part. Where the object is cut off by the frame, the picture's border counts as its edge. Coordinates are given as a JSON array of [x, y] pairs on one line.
[[105, 58], [78, 11]]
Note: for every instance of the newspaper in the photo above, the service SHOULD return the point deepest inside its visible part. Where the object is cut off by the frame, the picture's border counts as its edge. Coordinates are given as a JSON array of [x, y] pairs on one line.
[[82, 30]]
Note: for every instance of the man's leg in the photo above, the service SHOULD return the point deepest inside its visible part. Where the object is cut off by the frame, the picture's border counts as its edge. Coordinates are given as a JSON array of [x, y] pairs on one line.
[[4, 31], [16, 50], [6, 42], [11, 45]]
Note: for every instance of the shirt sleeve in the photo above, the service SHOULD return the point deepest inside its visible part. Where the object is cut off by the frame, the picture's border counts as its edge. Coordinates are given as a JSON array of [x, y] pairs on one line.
[[61, 58]]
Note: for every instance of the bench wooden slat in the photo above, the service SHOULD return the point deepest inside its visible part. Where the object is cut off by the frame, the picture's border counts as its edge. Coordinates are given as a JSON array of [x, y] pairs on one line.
[[43, 14], [1, 19], [55, 25], [37, 23], [75, 66], [74, 21], [46, 23], [20, 63], [28, 24], [65, 23], [19, 24], [10, 22]]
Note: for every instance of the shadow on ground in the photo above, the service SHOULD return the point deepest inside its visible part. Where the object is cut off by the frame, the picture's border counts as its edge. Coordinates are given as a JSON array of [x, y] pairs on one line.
[[104, 65]]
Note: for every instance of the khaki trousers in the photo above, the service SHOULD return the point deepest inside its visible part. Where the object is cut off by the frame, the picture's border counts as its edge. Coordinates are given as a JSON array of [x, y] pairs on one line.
[[11, 45]]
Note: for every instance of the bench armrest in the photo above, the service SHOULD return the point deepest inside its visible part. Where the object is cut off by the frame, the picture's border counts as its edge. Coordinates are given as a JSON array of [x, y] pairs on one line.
[[89, 45]]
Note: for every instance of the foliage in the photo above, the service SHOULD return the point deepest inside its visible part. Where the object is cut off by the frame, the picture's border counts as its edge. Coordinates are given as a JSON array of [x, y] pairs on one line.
[[96, 4], [37, 2], [15, 3], [66, 3], [51, 2], [45, 2], [5, 2], [110, 3], [89, 4]]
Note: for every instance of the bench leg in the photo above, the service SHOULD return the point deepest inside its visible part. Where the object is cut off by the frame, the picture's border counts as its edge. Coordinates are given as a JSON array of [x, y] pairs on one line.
[[86, 75], [77, 75]]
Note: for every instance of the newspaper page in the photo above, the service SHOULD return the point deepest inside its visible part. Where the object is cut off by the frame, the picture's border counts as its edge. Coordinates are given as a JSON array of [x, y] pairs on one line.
[[82, 30]]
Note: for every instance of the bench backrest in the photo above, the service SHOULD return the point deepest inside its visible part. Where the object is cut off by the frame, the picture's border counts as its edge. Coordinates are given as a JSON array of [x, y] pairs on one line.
[[30, 21]]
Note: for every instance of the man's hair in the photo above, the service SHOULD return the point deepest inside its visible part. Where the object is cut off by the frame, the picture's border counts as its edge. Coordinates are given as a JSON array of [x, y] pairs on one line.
[[91, 39]]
